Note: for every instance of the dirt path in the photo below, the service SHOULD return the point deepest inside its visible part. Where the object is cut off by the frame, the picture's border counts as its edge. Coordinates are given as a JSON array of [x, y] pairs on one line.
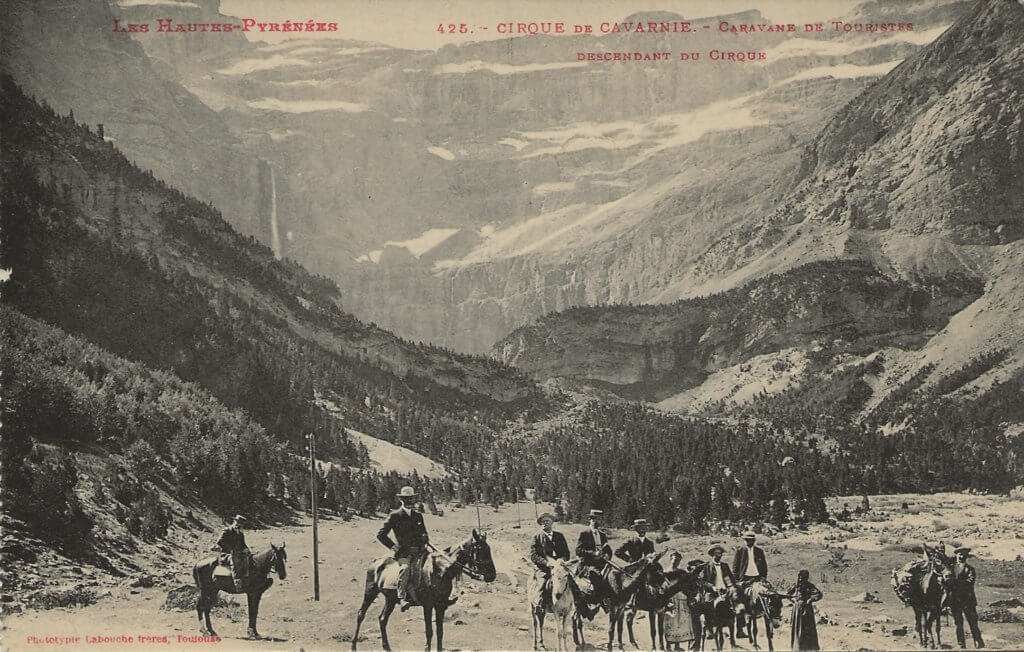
[[495, 616]]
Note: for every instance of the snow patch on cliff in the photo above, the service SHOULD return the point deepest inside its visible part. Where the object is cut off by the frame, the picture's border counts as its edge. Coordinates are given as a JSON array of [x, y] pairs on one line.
[[307, 106]]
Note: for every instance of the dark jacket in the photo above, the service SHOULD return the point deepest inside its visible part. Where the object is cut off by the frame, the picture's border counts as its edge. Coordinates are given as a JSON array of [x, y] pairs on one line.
[[742, 559], [231, 540], [963, 587], [708, 574], [590, 551], [409, 531], [543, 548], [635, 548]]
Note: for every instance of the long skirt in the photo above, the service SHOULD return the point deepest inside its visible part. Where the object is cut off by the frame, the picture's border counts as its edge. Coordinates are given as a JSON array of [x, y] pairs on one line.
[[805, 629], [679, 621]]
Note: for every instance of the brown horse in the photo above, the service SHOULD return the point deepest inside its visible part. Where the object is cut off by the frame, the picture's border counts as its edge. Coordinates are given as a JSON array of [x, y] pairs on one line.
[[655, 594], [615, 590], [253, 586], [925, 586], [432, 587], [761, 601]]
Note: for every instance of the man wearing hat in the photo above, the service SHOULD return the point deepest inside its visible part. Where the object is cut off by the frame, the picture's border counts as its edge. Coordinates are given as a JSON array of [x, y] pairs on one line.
[[236, 552], [411, 534], [547, 547], [749, 564], [594, 552], [963, 601], [716, 572], [636, 547]]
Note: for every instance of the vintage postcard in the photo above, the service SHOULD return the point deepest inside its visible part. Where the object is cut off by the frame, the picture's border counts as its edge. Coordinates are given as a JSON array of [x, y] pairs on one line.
[[512, 325]]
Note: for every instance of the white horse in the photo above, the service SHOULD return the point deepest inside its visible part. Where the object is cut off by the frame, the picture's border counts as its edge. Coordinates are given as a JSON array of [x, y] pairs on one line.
[[562, 605]]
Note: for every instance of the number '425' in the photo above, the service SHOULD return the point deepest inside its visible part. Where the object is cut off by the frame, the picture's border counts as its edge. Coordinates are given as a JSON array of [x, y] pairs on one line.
[[452, 28]]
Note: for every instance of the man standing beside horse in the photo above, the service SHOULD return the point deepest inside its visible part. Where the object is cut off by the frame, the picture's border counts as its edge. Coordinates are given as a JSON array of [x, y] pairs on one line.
[[234, 550], [963, 601], [749, 565]]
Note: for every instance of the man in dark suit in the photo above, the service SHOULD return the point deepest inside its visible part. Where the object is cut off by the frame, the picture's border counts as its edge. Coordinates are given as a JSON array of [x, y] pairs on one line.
[[546, 548], [594, 552], [411, 534], [232, 543], [636, 547], [963, 601], [749, 564], [716, 573]]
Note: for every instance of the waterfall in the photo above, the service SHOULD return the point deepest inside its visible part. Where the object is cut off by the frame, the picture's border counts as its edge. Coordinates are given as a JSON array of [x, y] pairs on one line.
[[275, 236]]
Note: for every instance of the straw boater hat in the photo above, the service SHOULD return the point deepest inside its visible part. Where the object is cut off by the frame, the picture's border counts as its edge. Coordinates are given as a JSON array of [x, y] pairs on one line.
[[640, 521], [545, 515], [240, 519], [596, 512], [712, 549], [962, 549], [407, 492]]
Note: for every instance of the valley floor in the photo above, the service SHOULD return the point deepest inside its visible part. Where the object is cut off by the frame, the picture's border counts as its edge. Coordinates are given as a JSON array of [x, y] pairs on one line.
[[496, 616]]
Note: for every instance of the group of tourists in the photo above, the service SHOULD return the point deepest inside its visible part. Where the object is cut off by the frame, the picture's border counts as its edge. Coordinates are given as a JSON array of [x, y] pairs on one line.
[[720, 585]]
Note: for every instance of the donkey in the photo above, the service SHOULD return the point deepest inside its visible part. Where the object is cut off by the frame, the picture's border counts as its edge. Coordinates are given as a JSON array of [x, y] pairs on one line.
[[925, 585]]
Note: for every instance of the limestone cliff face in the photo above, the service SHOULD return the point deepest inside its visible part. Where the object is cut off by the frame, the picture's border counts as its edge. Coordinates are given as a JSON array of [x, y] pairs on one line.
[[651, 352]]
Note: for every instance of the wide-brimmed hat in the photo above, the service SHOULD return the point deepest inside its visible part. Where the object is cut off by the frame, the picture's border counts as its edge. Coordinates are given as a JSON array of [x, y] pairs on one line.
[[962, 549], [407, 492], [596, 512], [749, 534], [639, 521], [240, 518], [544, 515], [712, 549]]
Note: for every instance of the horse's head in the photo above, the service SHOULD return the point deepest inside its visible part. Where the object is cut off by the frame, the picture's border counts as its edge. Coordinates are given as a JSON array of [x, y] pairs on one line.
[[277, 559], [475, 556], [940, 564]]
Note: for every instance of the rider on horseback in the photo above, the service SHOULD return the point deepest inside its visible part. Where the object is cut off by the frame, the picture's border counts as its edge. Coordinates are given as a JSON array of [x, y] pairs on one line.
[[750, 565], [717, 575], [235, 552], [594, 552], [635, 548], [547, 547], [411, 533]]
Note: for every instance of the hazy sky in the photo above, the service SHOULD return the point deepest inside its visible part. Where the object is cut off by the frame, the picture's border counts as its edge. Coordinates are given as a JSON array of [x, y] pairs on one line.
[[413, 23]]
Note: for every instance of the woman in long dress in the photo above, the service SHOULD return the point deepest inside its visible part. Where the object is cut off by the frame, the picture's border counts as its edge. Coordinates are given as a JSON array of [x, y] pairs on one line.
[[805, 628]]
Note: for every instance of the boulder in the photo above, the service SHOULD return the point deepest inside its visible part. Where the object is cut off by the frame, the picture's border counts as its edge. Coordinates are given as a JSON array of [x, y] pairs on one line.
[[865, 597]]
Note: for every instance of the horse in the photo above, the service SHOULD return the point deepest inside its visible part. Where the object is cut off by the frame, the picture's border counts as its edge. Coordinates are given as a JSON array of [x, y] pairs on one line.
[[925, 586], [562, 606], [719, 614], [254, 585], [440, 569], [761, 600], [654, 596], [619, 584]]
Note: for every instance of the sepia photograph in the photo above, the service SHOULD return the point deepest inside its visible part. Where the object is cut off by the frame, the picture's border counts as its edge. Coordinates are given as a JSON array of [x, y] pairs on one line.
[[511, 325]]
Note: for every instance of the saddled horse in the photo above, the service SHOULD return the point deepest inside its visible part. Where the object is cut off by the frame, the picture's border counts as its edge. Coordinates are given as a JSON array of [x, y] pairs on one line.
[[761, 601], [719, 614], [925, 585], [617, 586], [655, 594], [562, 605], [432, 587], [253, 586]]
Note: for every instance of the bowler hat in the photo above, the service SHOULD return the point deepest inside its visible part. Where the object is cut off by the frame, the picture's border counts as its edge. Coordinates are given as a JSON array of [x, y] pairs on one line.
[[749, 534], [407, 492], [545, 515]]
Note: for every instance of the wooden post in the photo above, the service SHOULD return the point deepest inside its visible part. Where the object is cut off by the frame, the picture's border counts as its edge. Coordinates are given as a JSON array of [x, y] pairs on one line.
[[478, 528], [314, 490]]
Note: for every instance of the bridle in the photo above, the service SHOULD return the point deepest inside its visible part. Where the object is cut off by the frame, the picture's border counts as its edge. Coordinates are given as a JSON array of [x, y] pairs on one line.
[[461, 567]]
